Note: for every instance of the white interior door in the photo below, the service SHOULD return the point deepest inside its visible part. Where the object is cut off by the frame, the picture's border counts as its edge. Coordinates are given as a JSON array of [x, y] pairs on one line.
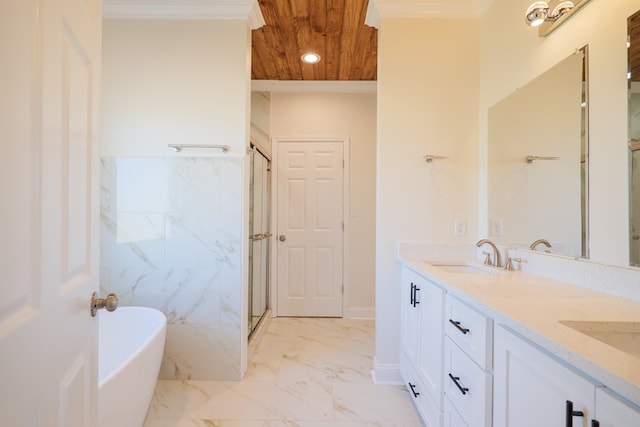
[[310, 228], [48, 228]]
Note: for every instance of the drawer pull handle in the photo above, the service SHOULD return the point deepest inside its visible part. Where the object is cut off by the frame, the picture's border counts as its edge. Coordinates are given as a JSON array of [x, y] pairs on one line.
[[456, 380], [458, 327], [413, 390], [570, 413]]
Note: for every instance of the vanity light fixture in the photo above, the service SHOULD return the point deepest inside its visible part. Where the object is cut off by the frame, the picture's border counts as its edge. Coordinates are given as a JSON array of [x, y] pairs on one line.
[[538, 12], [547, 17], [310, 58]]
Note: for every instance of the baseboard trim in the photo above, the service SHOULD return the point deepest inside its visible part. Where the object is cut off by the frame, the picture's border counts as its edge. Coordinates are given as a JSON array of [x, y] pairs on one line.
[[364, 313], [386, 373]]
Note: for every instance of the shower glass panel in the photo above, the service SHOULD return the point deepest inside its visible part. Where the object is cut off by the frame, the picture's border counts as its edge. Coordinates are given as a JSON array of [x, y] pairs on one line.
[[260, 238], [635, 205]]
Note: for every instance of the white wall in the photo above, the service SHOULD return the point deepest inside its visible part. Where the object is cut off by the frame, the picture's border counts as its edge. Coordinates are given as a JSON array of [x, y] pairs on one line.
[[261, 120], [354, 116], [175, 82], [510, 62], [427, 104]]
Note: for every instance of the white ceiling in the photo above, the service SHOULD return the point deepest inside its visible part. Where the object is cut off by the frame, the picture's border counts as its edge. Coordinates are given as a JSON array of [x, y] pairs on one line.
[[423, 9], [247, 8], [430, 8]]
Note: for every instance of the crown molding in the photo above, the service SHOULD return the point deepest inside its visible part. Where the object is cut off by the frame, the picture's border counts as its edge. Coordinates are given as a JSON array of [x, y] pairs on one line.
[[185, 9], [378, 9], [322, 86]]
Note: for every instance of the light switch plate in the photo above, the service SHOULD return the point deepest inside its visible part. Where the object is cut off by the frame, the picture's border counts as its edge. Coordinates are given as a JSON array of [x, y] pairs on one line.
[[496, 227]]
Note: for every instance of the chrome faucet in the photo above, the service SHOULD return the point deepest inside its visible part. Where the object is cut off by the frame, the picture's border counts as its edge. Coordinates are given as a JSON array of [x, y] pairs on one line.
[[540, 242], [496, 252]]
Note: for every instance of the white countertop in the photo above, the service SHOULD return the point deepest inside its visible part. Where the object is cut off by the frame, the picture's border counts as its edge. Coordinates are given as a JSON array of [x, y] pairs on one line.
[[533, 306]]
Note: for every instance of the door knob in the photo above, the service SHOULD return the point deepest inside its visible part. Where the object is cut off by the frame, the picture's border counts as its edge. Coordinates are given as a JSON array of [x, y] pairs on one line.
[[282, 238], [110, 303]]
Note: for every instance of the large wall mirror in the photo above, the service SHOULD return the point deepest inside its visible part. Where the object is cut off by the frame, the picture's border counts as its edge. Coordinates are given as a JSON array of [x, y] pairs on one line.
[[634, 138], [538, 162]]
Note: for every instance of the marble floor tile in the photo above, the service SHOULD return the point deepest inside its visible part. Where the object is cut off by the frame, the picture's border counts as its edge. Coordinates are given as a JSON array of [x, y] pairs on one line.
[[305, 372]]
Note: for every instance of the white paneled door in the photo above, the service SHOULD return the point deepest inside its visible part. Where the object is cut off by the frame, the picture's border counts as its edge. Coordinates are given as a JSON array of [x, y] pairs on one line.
[[48, 225], [310, 228]]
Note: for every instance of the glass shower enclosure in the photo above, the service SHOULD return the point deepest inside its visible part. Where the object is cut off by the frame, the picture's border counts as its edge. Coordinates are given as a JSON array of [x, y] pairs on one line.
[[259, 236]]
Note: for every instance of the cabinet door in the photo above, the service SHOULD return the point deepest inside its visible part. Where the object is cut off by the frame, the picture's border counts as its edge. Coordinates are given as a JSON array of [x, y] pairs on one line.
[[451, 417], [410, 312], [532, 389], [430, 365], [611, 411]]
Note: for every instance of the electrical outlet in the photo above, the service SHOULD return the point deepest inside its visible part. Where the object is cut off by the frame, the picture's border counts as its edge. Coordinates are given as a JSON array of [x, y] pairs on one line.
[[460, 228], [496, 227]]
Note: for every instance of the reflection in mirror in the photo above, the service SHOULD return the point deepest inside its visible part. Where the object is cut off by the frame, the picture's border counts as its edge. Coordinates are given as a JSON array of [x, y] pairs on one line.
[[634, 138], [538, 162]]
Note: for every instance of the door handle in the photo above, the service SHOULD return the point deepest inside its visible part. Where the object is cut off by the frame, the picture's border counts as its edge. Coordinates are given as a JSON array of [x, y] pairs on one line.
[[282, 238], [110, 303]]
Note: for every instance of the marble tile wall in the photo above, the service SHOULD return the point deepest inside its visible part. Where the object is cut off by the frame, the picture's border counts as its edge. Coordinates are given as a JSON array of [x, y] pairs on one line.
[[171, 239]]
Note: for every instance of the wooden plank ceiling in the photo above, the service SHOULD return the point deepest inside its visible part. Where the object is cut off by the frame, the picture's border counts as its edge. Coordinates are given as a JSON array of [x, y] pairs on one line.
[[333, 28], [634, 48]]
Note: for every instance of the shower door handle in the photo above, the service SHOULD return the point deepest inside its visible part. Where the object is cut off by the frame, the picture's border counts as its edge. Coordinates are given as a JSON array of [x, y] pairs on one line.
[[282, 238]]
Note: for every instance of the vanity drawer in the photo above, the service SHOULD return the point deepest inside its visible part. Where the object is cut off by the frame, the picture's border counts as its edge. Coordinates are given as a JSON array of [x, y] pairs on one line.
[[467, 387], [471, 330]]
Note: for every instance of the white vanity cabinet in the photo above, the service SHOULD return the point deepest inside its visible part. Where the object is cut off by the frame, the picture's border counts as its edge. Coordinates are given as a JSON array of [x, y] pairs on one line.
[[467, 365], [421, 344], [611, 411], [533, 389], [462, 370]]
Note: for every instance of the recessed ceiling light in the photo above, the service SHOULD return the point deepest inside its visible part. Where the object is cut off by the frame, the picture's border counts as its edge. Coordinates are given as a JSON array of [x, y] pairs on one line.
[[310, 58]]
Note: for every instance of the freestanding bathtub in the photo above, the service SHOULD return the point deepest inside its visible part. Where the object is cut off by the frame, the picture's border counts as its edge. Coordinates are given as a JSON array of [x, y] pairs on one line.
[[131, 344]]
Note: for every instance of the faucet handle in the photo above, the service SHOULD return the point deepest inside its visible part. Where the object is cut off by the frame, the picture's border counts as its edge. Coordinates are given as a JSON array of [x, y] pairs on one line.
[[487, 258], [508, 265]]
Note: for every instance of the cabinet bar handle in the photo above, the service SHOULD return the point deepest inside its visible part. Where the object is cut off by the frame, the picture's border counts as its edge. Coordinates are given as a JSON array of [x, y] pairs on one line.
[[570, 413], [458, 327], [413, 390], [413, 294], [455, 380]]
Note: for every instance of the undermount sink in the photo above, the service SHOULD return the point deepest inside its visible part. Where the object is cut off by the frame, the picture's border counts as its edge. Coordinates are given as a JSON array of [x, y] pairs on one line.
[[625, 336], [465, 267]]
